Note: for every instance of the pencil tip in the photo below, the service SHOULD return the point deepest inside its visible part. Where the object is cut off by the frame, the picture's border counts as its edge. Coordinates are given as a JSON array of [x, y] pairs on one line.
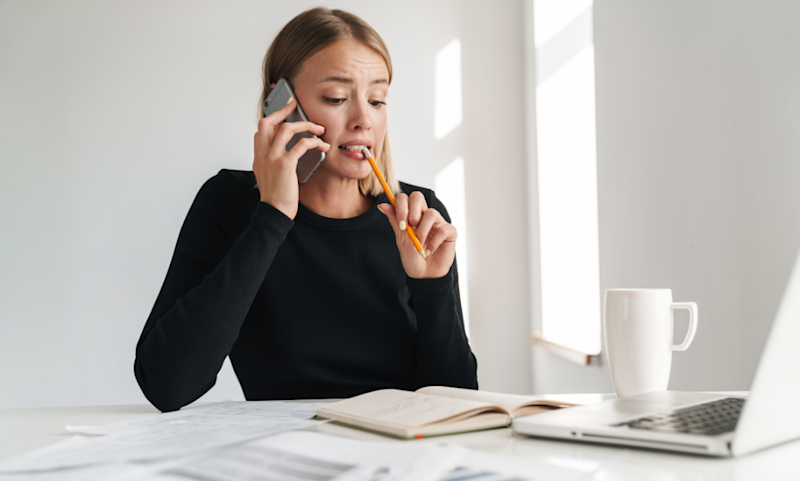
[[422, 253]]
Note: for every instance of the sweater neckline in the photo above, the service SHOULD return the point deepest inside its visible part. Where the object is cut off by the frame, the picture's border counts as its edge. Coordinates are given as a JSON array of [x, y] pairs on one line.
[[371, 215]]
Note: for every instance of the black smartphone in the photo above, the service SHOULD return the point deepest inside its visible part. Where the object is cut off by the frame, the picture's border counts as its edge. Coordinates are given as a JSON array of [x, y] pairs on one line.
[[281, 95]]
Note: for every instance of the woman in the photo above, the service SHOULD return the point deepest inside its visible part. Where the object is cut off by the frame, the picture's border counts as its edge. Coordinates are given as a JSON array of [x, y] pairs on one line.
[[313, 290]]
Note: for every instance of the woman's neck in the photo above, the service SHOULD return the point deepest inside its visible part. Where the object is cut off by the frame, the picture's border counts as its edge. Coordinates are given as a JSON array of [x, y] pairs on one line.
[[335, 200]]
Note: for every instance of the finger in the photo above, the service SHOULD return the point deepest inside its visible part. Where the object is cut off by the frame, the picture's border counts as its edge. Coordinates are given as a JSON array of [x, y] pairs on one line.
[[440, 235], [267, 126], [305, 144], [416, 208], [401, 210], [293, 128], [261, 145], [275, 118], [430, 218], [289, 129]]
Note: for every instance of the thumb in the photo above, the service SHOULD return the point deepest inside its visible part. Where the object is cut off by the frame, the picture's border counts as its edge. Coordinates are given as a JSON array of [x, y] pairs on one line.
[[390, 214]]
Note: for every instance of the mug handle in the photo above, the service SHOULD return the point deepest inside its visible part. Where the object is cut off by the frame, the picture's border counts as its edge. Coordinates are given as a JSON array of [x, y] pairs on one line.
[[692, 308]]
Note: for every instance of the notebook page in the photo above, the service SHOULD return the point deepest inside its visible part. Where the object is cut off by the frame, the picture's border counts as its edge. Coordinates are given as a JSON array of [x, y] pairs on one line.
[[401, 408], [511, 402]]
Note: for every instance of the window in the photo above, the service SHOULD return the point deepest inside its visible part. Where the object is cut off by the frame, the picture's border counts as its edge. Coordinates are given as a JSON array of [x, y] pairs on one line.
[[568, 275]]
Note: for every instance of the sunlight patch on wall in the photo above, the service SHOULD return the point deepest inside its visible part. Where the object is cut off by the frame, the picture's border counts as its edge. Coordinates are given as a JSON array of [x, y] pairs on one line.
[[447, 100]]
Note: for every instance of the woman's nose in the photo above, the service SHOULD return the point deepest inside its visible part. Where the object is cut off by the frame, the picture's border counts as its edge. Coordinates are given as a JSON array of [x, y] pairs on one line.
[[360, 117]]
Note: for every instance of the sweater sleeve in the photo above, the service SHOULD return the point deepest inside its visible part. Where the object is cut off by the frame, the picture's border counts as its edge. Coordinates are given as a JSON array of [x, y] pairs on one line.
[[209, 288], [444, 357]]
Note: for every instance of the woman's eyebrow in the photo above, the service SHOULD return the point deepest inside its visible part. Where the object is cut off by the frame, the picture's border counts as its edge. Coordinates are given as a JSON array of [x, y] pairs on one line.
[[345, 80]]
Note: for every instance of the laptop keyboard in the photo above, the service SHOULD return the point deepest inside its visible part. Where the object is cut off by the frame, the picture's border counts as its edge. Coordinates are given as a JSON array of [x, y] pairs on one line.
[[710, 418]]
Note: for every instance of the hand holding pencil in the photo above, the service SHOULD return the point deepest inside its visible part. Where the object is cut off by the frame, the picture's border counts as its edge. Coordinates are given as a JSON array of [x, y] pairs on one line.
[[425, 239]]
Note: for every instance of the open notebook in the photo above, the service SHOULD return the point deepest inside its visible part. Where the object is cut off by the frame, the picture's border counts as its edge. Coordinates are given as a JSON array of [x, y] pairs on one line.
[[433, 410]]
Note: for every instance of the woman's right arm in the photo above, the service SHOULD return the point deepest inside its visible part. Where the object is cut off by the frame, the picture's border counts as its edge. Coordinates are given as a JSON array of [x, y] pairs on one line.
[[209, 288], [215, 275]]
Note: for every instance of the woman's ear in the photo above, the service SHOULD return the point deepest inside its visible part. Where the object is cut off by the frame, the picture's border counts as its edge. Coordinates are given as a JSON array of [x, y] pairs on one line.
[[272, 85]]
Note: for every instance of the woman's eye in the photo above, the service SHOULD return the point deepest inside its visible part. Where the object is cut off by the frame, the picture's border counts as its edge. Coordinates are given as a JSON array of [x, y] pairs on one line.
[[377, 103], [333, 101]]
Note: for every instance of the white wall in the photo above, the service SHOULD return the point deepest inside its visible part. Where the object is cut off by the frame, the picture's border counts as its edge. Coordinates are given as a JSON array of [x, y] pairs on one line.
[[494, 143], [698, 130], [112, 114]]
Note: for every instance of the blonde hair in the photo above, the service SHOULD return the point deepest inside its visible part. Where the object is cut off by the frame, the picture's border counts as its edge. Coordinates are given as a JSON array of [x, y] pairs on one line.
[[305, 35]]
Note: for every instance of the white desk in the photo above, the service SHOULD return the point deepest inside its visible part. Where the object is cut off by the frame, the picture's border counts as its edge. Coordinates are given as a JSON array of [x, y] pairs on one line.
[[23, 430]]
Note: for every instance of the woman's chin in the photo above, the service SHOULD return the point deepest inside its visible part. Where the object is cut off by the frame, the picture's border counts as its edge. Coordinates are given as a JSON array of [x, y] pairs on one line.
[[352, 169], [345, 172]]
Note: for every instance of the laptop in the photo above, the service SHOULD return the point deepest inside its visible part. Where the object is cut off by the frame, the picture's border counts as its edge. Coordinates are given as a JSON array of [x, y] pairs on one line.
[[700, 423]]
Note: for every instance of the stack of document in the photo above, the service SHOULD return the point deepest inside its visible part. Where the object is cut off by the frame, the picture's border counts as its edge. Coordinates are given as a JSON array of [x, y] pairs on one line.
[[226, 441], [254, 441], [165, 437]]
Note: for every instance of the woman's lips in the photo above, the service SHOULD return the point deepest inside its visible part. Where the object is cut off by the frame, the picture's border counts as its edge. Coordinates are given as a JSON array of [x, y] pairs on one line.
[[353, 154]]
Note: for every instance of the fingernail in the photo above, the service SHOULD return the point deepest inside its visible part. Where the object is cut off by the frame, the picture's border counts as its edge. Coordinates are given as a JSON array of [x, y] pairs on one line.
[[402, 225], [322, 127], [290, 100], [428, 252]]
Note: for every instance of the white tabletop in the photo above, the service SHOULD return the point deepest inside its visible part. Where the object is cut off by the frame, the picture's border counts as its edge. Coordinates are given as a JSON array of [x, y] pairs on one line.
[[23, 430]]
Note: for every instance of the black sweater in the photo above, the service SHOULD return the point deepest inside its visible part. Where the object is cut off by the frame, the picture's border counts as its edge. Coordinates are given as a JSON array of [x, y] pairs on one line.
[[310, 308]]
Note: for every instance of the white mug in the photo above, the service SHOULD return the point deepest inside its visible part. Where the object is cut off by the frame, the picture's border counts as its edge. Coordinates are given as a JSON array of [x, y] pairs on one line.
[[638, 327]]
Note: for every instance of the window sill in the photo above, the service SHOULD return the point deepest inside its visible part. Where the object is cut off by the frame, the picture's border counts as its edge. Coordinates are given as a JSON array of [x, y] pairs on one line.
[[580, 358]]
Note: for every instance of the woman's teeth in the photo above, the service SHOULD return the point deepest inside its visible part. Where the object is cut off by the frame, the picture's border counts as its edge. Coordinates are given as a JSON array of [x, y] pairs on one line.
[[353, 148]]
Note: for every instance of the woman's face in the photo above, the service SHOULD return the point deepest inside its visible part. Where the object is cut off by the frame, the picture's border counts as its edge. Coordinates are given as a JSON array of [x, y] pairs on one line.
[[343, 87]]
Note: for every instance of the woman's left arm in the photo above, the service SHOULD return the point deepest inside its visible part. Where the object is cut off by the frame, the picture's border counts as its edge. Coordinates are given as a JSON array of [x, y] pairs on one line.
[[444, 357]]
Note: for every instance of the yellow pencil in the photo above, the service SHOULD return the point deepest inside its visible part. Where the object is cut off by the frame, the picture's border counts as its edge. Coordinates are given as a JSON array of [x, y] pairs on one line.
[[390, 195]]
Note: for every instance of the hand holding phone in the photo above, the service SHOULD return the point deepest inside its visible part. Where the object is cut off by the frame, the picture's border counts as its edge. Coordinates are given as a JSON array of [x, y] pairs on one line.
[[280, 95], [274, 166]]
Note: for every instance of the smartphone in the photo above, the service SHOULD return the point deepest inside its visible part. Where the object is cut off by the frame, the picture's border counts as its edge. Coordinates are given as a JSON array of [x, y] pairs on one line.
[[277, 99]]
